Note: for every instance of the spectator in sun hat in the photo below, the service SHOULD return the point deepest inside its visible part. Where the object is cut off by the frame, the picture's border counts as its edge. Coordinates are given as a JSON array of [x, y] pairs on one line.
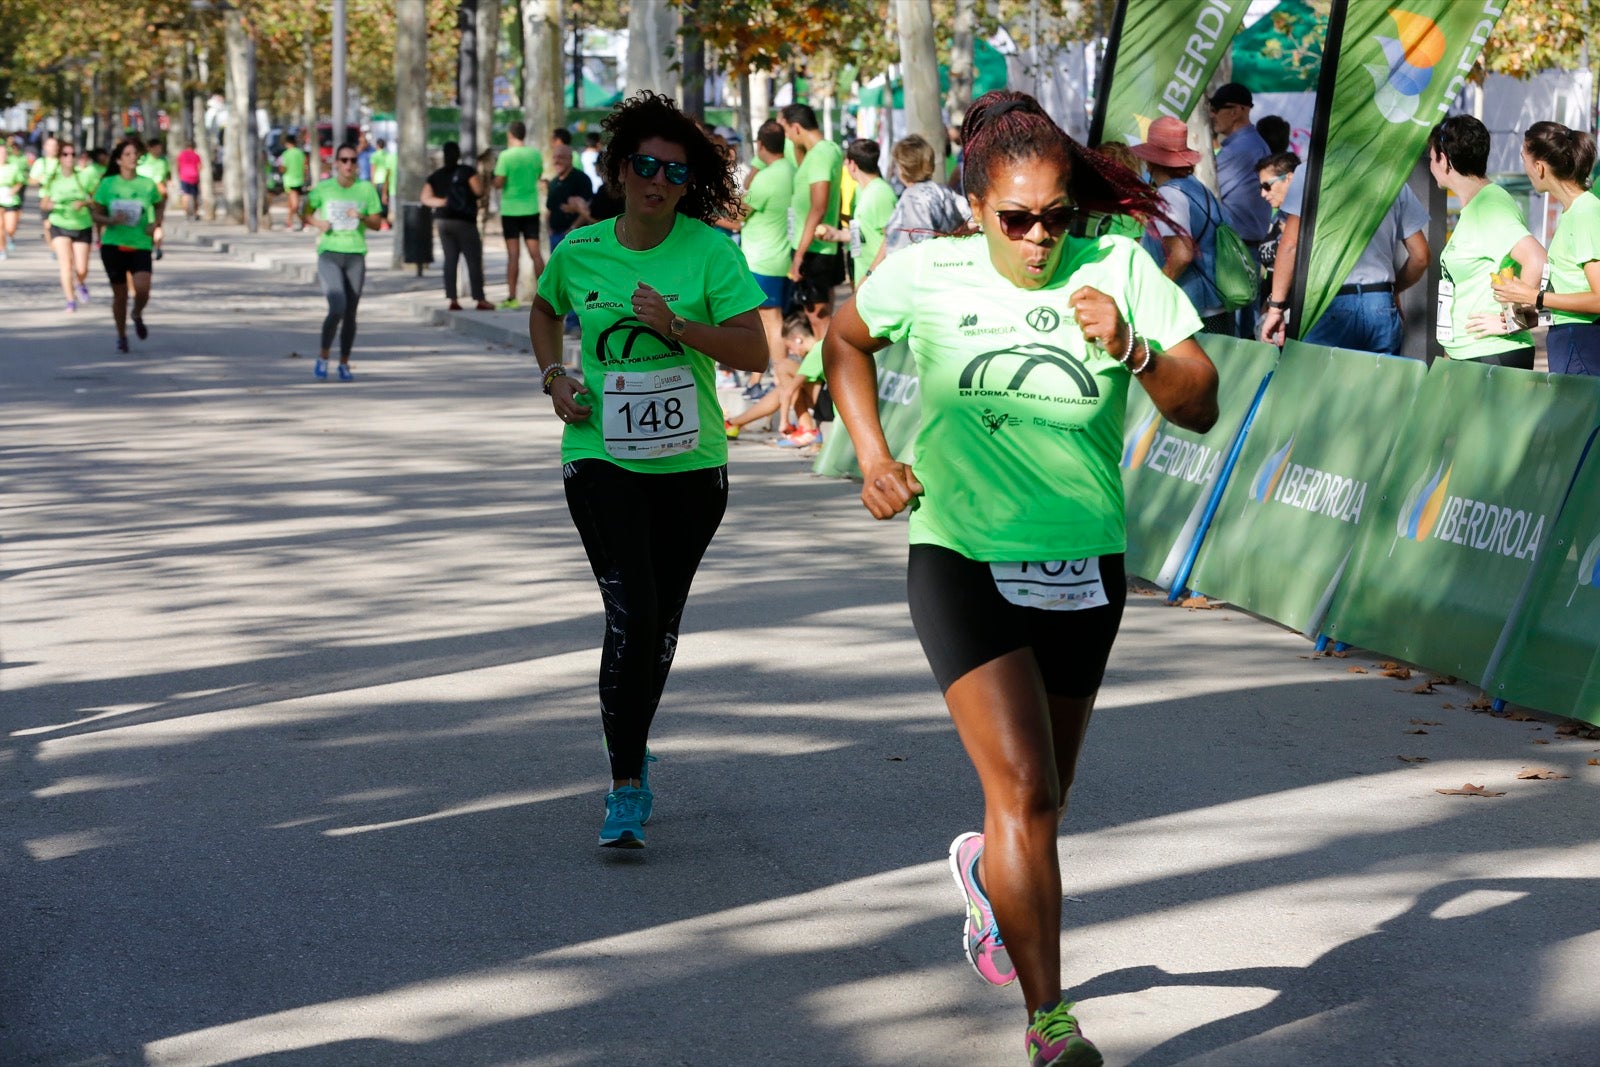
[[1185, 243]]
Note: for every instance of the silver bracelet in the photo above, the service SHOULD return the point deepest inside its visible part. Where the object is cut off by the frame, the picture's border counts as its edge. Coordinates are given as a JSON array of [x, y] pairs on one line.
[[1128, 353], [1145, 363]]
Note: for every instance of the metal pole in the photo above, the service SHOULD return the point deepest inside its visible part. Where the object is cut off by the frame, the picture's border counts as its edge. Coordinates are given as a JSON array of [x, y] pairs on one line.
[[338, 79], [577, 61]]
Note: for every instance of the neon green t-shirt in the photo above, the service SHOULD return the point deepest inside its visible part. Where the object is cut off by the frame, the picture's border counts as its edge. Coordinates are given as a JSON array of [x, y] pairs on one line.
[[765, 236], [65, 191], [824, 162], [89, 176], [650, 394], [1490, 226], [1576, 242], [43, 170], [344, 206], [293, 162], [13, 172], [874, 204], [521, 167], [811, 368], [382, 163], [1022, 419], [157, 168], [132, 206]]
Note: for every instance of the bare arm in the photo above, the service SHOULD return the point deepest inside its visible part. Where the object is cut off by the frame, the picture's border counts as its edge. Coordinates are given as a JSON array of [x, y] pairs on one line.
[[1530, 256], [1181, 381], [499, 181], [819, 208], [1180, 253], [1416, 264], [431, 198], [1272, 329], [739, 342], [544, 332], [888, 487]]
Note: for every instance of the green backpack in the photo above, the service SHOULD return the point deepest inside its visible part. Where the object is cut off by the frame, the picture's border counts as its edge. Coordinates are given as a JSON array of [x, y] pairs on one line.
[[1238, 277]]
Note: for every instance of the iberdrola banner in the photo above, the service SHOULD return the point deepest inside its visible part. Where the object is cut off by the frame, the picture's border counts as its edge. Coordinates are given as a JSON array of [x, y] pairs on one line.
[[1391, 69], [1159, 59], [899, 410]]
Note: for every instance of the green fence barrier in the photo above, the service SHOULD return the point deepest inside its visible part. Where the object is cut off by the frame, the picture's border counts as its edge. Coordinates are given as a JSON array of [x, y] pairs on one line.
[[1468, 502], [899, 409], [1308, 475], [1550, 656], [1169, 474]]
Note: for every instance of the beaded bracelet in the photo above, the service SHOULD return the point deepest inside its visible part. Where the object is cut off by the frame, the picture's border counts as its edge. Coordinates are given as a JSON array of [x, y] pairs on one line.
[[1144, 364], [1127, 353], [554, 371]]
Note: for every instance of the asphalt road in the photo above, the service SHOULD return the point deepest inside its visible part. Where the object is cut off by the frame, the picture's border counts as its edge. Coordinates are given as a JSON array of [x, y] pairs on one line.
[[301, 758]]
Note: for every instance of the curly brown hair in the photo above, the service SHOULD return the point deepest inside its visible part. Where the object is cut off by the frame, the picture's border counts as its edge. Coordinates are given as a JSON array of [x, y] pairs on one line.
[[711, 193]]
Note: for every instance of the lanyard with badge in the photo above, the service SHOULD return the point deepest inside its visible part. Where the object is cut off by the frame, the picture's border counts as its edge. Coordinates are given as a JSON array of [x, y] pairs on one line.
[[1063, 584]]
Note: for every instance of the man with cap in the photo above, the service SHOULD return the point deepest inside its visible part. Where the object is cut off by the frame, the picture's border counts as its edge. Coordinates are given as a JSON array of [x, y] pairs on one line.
[[1187, 254], [1237, 184]]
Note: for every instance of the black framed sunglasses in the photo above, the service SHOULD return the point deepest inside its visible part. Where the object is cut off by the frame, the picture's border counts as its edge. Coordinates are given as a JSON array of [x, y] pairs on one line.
[[1056, 221], [347, 159], [647, 166], [1266, 187]]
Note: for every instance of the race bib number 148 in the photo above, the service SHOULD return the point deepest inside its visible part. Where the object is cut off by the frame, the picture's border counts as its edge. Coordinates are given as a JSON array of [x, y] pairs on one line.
[[650, 414]]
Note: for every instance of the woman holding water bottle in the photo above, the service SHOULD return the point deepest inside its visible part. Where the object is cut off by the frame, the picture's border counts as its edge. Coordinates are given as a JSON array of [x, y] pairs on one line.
[[661, 297], [340, 209]]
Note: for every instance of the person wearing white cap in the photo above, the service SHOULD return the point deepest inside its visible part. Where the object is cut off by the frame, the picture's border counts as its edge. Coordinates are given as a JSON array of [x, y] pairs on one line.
[[1186, 251]]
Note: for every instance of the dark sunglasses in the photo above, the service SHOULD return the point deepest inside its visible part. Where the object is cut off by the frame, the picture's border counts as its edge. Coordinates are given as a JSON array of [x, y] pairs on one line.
[[646, 166], [347, 159], [1266, 187], [1056, 221]]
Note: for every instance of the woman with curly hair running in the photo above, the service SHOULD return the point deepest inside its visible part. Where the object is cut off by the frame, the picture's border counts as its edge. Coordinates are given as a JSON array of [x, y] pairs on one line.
[[662, 297], [1027, 340]]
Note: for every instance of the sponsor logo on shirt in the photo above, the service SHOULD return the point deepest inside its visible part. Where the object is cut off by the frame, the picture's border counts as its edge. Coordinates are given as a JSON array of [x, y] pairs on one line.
[[631, 341], [968, 320], [593, 301], [994, 421], [1044, 319], [1022, 363]]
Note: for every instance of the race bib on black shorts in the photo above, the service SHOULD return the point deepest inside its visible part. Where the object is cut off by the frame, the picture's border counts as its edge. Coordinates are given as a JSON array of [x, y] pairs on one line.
[[1053, 585]]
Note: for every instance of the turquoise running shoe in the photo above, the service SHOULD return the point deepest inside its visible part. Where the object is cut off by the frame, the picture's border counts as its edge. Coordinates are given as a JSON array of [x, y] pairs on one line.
[[623, 828], [647, 805], [1054, 1040]]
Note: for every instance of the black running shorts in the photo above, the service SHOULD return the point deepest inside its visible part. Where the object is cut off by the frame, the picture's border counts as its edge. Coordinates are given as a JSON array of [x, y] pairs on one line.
[[524, 226], [963, 622], [121, 262]]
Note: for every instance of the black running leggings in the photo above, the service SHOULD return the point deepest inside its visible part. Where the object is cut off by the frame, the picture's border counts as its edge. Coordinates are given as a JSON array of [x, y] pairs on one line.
[[342, 274], [645, 535]]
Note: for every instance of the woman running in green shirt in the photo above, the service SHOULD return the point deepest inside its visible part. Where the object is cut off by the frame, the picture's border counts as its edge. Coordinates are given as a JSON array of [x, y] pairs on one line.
[[13, 179], [1027, 341], [662, 297], [71, 226], [128, 205]]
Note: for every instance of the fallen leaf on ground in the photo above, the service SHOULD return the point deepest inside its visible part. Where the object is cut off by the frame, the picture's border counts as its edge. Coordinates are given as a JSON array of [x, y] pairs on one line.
[[1389, 665], [1398, 672], [1517, 716], [1594, 762], [1469, 790], [1443, 679], [1198, 603], [1567, 728], [1441, 705], [1541, 740], [1412, 759], [1305, 657], [1416, 731], [1426, 722], [1541, 773], [1339, 655], [1355, 669], [1480, 703], [1424, 688]]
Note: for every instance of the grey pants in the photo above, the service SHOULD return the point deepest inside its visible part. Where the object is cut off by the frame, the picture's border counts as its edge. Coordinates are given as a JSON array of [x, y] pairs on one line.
[[342, 274], [460, 238]]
